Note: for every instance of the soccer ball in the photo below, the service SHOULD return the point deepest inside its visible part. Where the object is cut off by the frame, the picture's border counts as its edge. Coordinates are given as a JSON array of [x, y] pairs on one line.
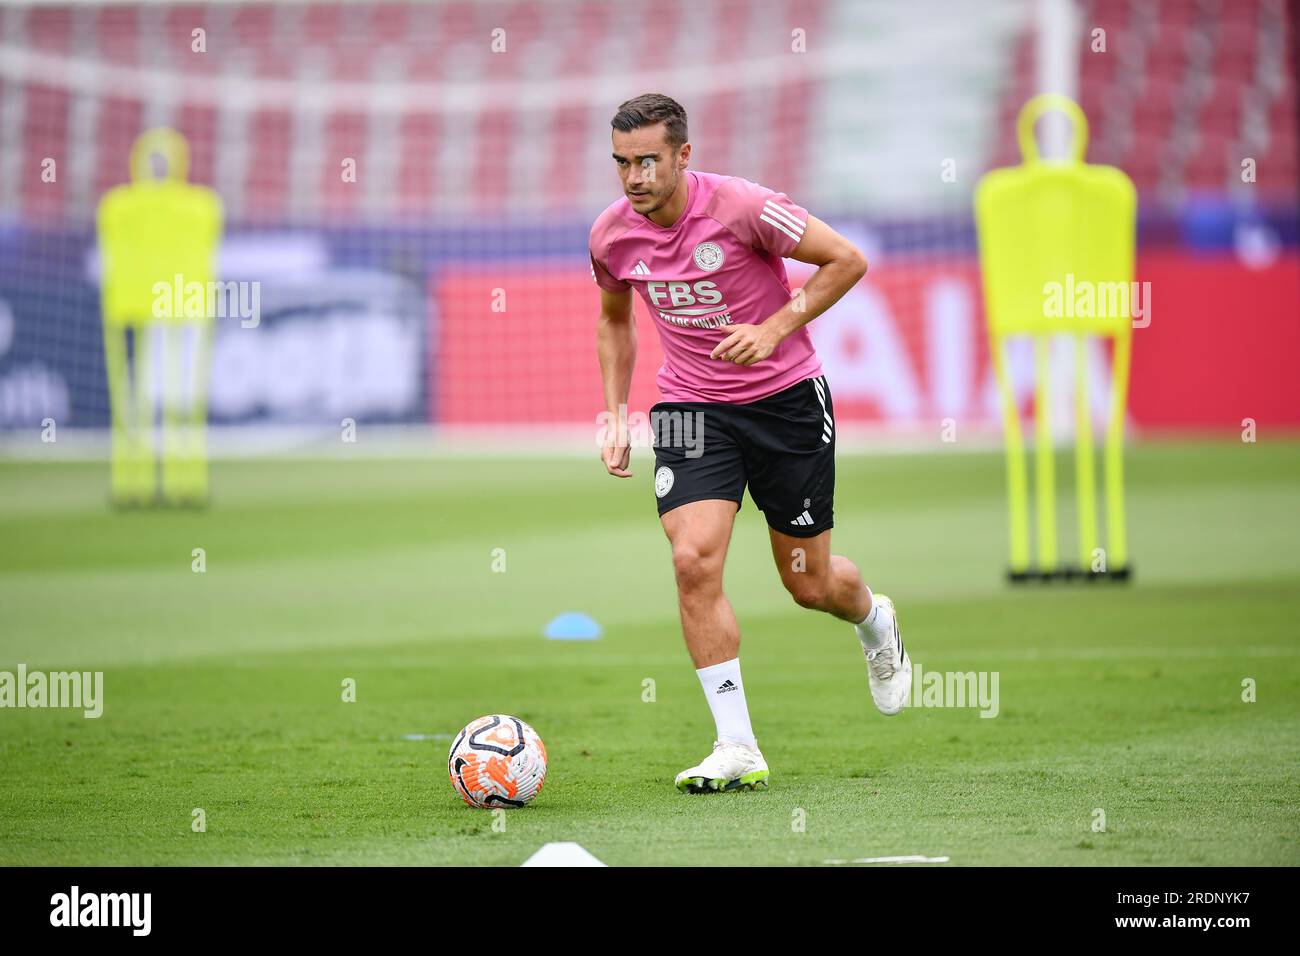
[[497, 761]]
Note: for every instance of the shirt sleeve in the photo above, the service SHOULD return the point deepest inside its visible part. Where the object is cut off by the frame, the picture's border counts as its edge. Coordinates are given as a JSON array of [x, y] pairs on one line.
[[604, 278], [760, 217]]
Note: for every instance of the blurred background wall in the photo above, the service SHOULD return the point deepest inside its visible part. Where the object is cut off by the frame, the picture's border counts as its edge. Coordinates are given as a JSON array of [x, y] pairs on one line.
[[478, 136]]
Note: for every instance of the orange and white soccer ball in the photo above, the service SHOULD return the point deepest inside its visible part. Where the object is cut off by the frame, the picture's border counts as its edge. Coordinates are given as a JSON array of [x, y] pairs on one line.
[[497, 761]]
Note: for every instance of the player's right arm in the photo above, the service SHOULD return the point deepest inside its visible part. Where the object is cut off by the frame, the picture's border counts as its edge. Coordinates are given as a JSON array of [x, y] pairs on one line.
[[616, 345]]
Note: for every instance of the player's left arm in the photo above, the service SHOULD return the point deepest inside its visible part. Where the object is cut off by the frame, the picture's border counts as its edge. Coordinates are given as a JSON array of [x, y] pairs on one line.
[[840, 264]]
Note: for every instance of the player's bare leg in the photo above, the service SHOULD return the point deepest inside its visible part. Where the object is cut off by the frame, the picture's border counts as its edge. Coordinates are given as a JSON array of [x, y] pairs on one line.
[[832, 583], [818, 579], [699, 532]]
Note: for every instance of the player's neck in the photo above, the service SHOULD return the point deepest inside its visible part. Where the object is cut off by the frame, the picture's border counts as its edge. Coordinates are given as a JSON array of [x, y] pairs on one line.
[[668, 214]]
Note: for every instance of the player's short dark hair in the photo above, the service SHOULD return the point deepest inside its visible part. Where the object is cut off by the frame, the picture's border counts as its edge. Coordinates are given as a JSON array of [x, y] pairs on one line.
[[649, 109]]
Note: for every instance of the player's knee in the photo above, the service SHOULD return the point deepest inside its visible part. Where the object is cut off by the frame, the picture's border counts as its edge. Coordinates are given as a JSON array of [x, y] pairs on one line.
[[695, 569], [809, 591]]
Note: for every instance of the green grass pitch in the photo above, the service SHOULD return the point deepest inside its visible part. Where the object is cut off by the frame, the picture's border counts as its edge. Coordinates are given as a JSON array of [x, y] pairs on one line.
[[223, 689]]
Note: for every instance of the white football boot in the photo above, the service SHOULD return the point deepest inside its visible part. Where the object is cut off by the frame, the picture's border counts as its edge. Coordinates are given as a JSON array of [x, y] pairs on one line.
[[729, 767], [890, 670]]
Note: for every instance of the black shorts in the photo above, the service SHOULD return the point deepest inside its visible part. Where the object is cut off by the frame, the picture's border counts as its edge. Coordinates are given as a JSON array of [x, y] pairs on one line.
[[782, 446]]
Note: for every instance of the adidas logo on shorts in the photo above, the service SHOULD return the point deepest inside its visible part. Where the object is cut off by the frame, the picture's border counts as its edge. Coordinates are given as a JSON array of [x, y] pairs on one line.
[[804, 519]]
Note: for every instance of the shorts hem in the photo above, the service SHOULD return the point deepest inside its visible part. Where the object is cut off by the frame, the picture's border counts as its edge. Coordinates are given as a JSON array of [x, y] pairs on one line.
[[703, 496], [795, 531]]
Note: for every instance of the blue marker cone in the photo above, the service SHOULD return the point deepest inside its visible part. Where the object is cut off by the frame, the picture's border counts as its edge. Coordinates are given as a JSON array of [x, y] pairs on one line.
[[573, 626]]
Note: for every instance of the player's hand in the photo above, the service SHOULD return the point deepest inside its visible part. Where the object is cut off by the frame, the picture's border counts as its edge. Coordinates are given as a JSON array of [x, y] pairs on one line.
[[616, 457], [746, 345]]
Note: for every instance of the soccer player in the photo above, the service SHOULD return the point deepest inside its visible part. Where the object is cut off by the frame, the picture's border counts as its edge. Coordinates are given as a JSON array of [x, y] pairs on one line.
[[744, 403]]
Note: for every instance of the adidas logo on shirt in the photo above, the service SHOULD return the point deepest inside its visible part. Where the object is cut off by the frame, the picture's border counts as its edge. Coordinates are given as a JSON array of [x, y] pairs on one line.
[[725, 686], [804, 519], [640, 269]]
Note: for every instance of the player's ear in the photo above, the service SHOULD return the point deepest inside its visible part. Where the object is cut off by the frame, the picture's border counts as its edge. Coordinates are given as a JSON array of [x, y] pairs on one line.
[[684, 156]]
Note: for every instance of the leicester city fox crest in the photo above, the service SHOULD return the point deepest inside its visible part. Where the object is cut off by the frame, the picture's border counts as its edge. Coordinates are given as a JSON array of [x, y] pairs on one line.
[[663, 481], [708, 256]]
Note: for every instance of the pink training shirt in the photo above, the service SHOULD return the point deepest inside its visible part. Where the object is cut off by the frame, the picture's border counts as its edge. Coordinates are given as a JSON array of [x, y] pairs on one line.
[[718, 265]]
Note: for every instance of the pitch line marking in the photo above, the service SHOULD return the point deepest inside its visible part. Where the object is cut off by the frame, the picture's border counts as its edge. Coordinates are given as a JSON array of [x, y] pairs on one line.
[[891, 859]]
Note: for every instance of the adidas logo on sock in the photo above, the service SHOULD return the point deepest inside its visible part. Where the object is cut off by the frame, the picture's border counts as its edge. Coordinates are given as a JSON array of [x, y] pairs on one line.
[[725, 686]]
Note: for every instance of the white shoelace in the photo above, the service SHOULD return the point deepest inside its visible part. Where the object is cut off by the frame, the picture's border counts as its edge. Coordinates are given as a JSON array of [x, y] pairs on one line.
[[883, 662], [712, 759]]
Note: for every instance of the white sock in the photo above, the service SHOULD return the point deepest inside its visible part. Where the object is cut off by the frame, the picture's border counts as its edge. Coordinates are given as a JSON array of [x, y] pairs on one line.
[[726, 696], [876, 629]]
